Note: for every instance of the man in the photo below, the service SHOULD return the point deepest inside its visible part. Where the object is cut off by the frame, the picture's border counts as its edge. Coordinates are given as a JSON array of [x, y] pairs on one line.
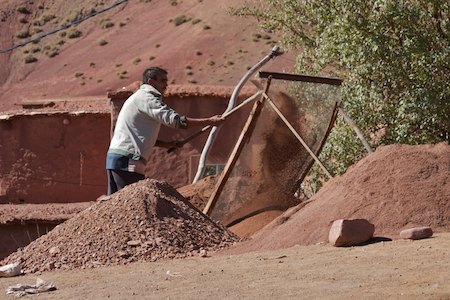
[[137, 130]]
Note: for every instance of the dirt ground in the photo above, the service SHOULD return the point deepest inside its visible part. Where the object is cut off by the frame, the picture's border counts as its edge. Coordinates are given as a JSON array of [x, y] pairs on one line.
[[400, 269]]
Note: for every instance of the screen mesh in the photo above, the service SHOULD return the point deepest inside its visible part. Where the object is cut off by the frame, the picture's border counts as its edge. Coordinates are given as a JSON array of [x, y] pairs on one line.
[[272, 163]]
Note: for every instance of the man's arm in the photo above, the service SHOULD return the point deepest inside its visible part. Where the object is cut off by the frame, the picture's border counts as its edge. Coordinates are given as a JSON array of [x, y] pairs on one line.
[[187, 122], [202, 122]]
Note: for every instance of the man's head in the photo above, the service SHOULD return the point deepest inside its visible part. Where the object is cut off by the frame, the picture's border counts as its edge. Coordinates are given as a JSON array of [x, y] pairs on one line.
[[156, 77]]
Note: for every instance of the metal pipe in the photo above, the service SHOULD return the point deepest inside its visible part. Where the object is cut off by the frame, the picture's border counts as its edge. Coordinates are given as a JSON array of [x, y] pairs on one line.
[[213, 133]]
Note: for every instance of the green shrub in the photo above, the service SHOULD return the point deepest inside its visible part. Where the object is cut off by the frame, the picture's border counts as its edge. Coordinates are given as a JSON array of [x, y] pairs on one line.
[[52, 52], [102, 42], [23, 10], [206, 27], [73, 33], [23, 34], [30, 59], [394, 56], [37, 30], [178, 20], [74, 16], [123, 74], [136, 61], [34, 49], [106, 23]]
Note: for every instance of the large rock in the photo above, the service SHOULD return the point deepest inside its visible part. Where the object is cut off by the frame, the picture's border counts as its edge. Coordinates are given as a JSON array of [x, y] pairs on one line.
[[350, 232], [416, 233]]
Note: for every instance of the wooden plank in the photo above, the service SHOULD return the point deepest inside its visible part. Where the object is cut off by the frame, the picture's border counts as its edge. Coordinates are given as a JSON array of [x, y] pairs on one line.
[[304, 78], [243, 138]]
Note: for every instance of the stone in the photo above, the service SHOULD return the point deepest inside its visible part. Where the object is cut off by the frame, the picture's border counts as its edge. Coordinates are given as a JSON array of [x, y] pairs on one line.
[[344, 233], [54, 250], [134, 243], [203, 253], [416, 233]]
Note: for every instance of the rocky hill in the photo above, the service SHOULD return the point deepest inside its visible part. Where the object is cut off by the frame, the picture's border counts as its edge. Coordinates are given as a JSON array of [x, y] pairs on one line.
[[197, 41]]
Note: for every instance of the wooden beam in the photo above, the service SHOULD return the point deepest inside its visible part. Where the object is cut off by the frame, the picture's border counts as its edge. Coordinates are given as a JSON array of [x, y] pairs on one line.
[[304, 78], [242, 140]]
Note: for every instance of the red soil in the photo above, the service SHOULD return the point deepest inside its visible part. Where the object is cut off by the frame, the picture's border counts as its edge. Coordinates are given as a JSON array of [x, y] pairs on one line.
[[395, 188]]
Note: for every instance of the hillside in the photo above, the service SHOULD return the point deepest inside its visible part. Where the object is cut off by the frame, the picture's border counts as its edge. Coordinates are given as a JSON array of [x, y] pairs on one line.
[[197, 41]]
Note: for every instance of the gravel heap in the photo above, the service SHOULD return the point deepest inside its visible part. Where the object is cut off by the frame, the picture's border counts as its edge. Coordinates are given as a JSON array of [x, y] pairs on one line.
[[146, 221]]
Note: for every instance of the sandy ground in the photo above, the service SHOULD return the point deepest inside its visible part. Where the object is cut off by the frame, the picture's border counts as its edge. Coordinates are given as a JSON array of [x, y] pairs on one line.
[[400, 269]]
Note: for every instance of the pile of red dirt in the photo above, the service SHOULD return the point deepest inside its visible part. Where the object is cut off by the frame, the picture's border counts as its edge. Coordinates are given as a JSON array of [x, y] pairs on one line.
[[146, 221], [397, 187]]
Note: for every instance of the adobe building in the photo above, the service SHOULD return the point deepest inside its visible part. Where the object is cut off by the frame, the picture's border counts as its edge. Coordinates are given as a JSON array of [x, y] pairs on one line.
[[52, 155]]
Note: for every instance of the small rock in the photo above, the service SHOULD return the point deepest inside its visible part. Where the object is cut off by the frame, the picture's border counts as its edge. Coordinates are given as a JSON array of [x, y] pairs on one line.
[[416, 233], [123, 254], [203, 253], [134, 243], [50, 266], [103, 198], [10, 270], [54, 250]]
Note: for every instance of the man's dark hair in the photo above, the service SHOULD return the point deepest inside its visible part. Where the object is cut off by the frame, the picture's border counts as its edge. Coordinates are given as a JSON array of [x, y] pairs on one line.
[[151, 73]]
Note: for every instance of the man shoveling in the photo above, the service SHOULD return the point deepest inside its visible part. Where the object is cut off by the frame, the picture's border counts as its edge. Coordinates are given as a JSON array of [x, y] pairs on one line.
[[137, 130]]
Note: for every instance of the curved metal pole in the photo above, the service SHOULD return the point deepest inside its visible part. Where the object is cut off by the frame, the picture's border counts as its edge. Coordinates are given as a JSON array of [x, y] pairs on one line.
[[213, 133]]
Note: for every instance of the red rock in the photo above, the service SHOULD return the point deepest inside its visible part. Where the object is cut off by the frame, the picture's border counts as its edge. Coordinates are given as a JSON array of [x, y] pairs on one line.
[[416, 233], [134, 243], [350, 232]]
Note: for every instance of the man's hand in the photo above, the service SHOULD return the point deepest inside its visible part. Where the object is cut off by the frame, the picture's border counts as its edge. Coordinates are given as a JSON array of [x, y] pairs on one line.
[[216, 120]]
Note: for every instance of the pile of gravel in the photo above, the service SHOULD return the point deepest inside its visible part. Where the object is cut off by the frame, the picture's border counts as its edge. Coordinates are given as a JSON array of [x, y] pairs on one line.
[[144, 222]]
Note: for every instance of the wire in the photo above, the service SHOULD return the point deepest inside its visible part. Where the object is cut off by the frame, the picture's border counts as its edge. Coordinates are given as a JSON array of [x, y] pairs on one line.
[[76, 22]]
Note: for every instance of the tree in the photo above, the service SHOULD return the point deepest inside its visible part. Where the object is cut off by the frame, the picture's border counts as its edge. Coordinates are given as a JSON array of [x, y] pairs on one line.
[[394, 56]]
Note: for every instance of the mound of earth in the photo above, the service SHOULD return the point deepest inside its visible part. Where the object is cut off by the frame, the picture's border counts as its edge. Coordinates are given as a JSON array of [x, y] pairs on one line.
[[145, 221], [397, 187]]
